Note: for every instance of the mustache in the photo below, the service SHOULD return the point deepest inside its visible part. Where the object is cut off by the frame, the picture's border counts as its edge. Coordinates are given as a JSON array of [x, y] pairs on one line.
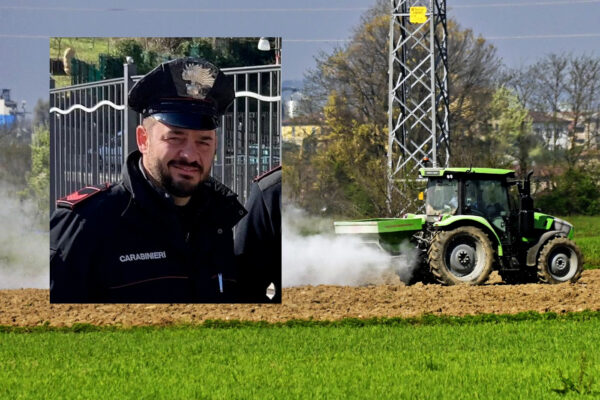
[[184, 163]]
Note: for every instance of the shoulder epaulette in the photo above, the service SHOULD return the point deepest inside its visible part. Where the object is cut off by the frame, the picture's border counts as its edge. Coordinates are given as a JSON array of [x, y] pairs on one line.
[[265, 174], [269, 178], [71, 200]]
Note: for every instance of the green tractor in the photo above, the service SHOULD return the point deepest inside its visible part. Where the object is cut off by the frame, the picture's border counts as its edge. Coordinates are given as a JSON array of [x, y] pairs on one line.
[[478, 220]]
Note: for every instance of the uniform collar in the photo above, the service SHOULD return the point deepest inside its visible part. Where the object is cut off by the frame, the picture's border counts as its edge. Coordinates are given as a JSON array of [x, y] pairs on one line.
[[161, 192], [212, 200]]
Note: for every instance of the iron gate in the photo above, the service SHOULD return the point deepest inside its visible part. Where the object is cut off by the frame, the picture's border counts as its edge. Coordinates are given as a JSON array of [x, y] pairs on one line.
[[92, 131]]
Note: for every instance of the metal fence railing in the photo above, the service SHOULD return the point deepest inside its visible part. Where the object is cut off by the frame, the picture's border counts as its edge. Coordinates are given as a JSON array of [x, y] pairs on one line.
[[250, 133], [92, 131]]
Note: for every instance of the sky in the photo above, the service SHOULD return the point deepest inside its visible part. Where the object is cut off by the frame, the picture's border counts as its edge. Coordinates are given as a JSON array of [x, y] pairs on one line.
[[522, 31]]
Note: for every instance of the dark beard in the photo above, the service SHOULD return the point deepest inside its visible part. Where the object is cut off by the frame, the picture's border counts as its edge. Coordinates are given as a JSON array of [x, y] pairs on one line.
[[177, 189]]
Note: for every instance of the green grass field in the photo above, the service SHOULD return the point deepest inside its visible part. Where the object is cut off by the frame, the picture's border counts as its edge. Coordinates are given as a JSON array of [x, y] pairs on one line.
[[526, 356], [531, 357]]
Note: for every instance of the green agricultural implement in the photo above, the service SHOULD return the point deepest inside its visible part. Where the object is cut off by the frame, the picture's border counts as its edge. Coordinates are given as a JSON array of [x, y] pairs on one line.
[[478, 220]]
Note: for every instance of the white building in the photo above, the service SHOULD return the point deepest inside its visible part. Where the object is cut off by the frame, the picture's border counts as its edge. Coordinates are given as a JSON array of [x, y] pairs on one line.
[[553, 130]]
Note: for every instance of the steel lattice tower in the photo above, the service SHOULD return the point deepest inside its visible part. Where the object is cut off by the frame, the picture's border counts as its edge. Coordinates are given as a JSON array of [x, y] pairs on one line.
[[418, 104]]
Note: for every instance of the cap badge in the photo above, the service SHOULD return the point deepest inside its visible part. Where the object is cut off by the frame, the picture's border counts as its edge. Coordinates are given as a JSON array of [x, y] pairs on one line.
[[201, 80]]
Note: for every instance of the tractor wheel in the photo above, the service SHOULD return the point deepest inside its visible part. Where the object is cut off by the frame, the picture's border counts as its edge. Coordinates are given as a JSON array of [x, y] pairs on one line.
[[560, 261], [518, 277], [461, 256]]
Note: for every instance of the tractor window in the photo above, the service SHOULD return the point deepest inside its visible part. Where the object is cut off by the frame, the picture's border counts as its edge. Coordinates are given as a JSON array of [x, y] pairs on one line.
[[486, 198], [513, 197], [442, 196]]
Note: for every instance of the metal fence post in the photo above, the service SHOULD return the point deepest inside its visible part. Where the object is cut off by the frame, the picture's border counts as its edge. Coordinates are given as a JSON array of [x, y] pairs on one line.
[[130, 117], [52, 150]]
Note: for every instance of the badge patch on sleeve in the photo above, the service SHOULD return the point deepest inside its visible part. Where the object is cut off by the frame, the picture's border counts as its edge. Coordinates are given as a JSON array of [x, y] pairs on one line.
[[71, 200]]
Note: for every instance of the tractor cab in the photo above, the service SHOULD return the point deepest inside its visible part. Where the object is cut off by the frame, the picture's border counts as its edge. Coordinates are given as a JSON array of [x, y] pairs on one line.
[[481, 192]]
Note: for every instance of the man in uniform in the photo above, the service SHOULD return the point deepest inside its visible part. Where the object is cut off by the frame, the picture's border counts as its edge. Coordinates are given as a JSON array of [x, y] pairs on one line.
[[164, 233], [258, 241]]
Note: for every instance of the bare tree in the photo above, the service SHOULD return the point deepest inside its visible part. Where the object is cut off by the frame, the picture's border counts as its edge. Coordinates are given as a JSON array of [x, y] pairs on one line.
[[523, 82], [584, 73], [356, 72], [474, 71], [551, 77]]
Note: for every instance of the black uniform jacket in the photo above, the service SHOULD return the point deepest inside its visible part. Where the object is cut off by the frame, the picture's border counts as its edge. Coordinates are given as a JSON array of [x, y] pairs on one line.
[[258, 241], [128, 243]]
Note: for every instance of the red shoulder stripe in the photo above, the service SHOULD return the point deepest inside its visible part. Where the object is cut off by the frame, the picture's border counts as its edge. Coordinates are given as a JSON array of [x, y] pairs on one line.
[[71, 200], [267, 173]]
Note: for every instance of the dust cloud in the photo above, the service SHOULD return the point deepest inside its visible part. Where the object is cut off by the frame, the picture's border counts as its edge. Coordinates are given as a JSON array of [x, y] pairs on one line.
[[314, 255], [24, 245]]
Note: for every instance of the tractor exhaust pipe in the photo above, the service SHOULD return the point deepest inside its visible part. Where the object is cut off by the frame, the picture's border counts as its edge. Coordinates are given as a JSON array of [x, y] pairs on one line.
[[527, 183], [526, 212]]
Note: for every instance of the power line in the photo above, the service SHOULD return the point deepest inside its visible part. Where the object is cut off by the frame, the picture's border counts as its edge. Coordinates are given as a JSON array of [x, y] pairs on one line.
[[550, 36], [515, 37], [532, 4], [281, 10], [184, 10], [314, 40], [19, 36], [46, 37]]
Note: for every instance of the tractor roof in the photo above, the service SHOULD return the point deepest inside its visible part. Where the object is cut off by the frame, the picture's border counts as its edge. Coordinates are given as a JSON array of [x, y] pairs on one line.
[[431, 172]]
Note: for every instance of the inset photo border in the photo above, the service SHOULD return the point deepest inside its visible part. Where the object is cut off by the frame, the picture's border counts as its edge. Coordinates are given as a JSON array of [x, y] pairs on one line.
[[144, 202]]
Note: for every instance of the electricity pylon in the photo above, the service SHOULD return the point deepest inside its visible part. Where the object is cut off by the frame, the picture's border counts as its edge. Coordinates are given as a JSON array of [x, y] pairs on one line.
[[418, 104]]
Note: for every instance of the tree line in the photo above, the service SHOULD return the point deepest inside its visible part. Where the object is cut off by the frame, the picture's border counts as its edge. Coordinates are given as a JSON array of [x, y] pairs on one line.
[[148, 52], [543, 117], [25, 159]]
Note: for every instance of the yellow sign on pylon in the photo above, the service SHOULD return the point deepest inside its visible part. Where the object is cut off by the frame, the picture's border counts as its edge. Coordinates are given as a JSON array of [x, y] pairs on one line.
[[418, 15]]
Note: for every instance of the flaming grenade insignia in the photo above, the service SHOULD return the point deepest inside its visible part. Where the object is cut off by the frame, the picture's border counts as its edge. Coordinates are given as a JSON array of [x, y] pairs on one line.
[[201, 80]]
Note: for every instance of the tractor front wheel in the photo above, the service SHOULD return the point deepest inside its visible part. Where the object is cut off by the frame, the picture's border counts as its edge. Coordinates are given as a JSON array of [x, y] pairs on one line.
[[560, 261], [461, 256]]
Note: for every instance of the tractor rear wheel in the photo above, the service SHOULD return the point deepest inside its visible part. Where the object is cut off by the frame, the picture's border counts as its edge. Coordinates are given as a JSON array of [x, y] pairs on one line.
[[560, 261], [461, 256]]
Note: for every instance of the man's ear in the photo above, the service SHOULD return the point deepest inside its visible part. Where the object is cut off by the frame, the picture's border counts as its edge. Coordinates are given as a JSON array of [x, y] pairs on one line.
[[141, 136]]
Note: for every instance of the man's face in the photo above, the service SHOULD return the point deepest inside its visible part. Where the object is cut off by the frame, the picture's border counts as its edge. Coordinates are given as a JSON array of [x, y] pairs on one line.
[[178, 159]]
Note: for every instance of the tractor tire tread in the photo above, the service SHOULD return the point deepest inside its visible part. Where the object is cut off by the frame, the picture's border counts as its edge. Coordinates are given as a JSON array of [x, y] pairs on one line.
[[542, 272], [436, 256]]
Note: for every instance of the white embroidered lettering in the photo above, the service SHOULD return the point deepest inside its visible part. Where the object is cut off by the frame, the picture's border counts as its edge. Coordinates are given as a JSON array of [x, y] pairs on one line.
[[157, 255]]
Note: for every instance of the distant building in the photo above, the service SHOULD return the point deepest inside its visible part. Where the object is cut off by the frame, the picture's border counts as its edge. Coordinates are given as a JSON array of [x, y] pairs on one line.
[[297, 133], [291, 105], [296, 126], [553, 130], [560, 129], [587, 130], [8, 108], [291, 108]]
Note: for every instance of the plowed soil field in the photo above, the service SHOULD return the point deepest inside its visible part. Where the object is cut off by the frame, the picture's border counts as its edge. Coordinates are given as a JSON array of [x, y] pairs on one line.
[[30, 307]]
